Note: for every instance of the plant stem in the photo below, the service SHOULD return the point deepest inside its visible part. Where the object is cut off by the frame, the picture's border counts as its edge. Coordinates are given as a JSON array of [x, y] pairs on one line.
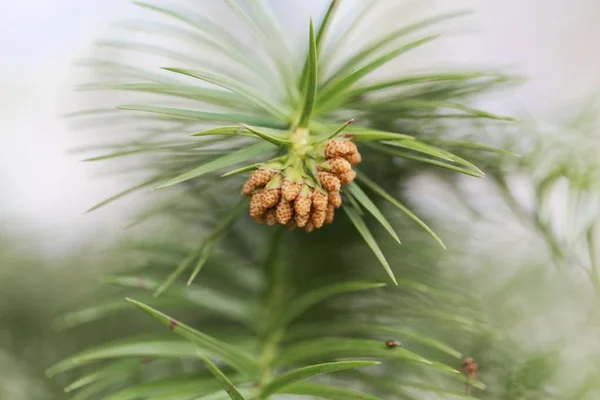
[[299, 139], [274, 302]]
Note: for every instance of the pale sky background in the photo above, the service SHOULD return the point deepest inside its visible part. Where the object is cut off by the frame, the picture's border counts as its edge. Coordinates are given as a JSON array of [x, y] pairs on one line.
[[44, 190]]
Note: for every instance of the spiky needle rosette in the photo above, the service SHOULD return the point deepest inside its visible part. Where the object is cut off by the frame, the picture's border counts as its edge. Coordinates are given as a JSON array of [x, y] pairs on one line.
[[283, 128], [265, 111]]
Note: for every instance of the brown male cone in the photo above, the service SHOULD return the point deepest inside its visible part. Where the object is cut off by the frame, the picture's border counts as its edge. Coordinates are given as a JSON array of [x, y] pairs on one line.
[[271, 217], [319, 199], [284, 212], [330, 214], [339, 165], [301, 220], [261, 177], [330, 182], [352, 147], [290, 190], [256, 208], [302, 205], [347, 177], [289, 197], [248, 187], [337, 148], [318, 218], [353, 158], [270, 197], [335, 199]]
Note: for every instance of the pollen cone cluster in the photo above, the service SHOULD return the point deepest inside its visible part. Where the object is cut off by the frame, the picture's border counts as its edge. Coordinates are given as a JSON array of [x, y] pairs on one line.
[[294, 197]]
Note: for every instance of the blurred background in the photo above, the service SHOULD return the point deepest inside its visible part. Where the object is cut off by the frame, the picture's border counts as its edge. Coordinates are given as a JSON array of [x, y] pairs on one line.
[[51, 253]]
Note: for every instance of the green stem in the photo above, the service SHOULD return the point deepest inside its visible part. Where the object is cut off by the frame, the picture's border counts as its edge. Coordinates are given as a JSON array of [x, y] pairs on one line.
[[274, 302], [299, 141]]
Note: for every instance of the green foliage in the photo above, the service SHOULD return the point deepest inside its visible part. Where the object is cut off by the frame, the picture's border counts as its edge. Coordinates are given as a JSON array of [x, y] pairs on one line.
[[222, 378], [311, 81]]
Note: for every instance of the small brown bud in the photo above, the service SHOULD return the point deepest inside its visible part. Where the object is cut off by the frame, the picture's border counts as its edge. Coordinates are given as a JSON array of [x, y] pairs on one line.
[[261, 177], [271, 216], [335, 199], [270, 197], [329, 216], [319, 199], [260, 219], [290, 190], [470, 367], [284, 211], [256, 208], [309, 227], [329, 181], [348, 177], [339, 165], [351, 147], [318, 218], [354, 158], [301, 220], [248, 187], [302, 205], [337, 148]]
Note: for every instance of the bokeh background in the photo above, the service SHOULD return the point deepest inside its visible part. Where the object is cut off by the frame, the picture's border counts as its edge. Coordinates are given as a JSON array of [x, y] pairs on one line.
[[49, 248]]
